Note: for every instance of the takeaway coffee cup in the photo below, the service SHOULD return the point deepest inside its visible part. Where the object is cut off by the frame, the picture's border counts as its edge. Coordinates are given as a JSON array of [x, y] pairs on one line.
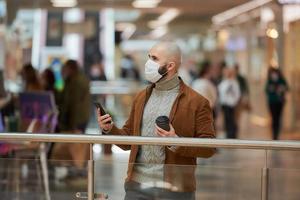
[[163, 122]]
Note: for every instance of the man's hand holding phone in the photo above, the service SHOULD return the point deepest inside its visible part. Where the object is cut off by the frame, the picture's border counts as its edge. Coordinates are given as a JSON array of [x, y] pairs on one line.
[[104, 120]]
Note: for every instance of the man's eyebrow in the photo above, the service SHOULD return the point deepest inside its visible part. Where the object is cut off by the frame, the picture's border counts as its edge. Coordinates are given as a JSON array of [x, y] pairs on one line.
[[152, 56]]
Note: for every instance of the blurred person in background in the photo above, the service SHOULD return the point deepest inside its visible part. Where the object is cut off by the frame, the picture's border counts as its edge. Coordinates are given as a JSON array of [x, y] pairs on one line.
[[216, 78], [229, 94], [30, 78], [203, 84], [74, 114], [47, 80], [97, 72], [31, 84], [217, 72], [243, 83], [244, 102], [190, 114], [129, 69], [276, 88], [75, 99]]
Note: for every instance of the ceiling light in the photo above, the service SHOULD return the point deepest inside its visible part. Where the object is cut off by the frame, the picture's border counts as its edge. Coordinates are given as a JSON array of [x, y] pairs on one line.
[[168, 16], [165, 18], [238, 10], [154, 24], [145, 3], [159, 32], [127, 29], [289, 1], [272, 33], [64, 3]]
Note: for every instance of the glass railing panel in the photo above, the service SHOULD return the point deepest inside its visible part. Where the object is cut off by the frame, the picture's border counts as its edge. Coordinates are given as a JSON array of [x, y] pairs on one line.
[[24, 179], [284, 184], [284, 175], [227, 175]]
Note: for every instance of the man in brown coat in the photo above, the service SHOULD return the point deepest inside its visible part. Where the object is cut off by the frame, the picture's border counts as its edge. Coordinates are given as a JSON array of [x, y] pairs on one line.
[[157, 171]]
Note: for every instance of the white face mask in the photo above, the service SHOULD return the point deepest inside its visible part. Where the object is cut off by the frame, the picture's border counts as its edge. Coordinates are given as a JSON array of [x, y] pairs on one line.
[[151, 71]]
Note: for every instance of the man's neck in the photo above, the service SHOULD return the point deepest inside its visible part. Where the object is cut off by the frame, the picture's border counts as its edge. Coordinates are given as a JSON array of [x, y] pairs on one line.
[[168, 83]]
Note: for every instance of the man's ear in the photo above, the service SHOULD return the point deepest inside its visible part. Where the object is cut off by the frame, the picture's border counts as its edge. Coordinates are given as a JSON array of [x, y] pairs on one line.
[[171, 66]]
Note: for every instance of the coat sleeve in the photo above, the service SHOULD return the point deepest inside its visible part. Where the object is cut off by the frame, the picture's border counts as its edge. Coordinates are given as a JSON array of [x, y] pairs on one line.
[[204, 128], [127, 129]]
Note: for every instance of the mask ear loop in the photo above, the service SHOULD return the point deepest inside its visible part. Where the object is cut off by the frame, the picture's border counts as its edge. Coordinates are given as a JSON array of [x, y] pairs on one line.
[[163, 70]]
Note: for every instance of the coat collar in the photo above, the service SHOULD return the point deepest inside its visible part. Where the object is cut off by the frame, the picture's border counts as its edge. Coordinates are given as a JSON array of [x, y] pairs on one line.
[[182, 92], [182, 89]]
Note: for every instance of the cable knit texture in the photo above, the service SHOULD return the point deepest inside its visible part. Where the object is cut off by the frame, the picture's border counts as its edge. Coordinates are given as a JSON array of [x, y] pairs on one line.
[[150, 159]]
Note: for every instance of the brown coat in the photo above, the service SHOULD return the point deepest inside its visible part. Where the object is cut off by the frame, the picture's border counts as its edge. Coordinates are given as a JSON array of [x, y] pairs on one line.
[[190, 116]]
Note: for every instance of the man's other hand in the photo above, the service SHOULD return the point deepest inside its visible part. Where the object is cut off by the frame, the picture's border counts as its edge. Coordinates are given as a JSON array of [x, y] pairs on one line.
[[162, 133]]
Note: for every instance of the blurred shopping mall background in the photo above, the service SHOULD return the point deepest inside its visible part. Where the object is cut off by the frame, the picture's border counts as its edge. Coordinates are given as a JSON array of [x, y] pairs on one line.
[[110, 40]]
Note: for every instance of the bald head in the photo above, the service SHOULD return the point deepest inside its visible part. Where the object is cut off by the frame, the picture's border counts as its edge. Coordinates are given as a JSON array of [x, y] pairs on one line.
[[166, 52]]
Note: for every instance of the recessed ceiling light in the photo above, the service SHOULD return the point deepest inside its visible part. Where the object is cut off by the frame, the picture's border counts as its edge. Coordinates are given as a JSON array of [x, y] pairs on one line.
[[145, 3], [165, 18], [159, 32], [64, 3], [272, 33], [238, 10]]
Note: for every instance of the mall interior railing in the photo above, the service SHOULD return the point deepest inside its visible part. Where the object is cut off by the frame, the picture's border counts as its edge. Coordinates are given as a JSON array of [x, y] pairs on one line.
[[115, 87], [134, 140]]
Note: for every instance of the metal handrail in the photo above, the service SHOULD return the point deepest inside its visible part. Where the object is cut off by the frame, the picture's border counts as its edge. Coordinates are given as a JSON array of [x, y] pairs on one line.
[[138, 140], [116, 87]]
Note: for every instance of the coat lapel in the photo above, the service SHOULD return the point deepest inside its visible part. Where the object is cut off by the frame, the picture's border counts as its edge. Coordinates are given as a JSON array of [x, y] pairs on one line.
[[175, 104]]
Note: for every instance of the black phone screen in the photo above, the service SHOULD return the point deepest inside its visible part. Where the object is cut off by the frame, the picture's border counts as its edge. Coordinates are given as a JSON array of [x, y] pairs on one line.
[[98, 105]]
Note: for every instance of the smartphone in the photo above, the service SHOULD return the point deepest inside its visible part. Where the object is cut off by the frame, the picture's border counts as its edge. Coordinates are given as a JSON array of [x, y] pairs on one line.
[[98, 106]]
